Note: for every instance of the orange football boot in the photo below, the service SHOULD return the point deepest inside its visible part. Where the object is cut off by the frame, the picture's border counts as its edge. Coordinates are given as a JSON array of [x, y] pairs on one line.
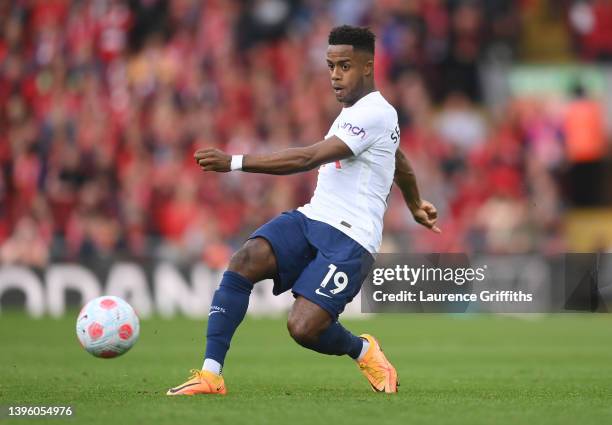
[[380, 373], [200, 382]]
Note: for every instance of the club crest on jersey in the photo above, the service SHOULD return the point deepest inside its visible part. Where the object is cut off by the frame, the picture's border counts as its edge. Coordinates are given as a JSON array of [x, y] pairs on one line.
[[353, 129]]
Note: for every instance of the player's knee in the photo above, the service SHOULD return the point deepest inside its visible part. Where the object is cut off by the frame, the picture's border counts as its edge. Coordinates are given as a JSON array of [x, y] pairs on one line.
[[302, 331], [240, 260], [254, 261]]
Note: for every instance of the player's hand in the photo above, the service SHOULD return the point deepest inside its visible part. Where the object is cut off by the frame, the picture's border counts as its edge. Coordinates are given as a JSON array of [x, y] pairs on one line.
[[427, 215], [211, 159]]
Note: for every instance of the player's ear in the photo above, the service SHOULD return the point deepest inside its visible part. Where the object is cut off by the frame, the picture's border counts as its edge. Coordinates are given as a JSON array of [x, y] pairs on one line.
[[368, 68]]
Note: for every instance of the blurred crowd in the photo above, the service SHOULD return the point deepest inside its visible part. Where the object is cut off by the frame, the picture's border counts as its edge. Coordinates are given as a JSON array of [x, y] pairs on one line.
[[103, 102]]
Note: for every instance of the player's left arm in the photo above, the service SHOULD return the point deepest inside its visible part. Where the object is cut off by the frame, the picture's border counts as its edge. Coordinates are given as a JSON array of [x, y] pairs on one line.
[[287, 161], [423, 211]]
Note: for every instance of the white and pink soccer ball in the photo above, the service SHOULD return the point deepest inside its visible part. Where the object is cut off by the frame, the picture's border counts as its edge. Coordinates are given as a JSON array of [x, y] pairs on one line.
[[107, 326]]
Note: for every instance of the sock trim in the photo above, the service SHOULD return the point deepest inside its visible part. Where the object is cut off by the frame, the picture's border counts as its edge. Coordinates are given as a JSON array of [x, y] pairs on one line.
[[237, 281], [364, 349], [211, 365]]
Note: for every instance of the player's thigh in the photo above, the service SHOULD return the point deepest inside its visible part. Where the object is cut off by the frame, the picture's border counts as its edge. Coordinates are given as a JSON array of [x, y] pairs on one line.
[[291, 249], [307, 320], [255, 260]]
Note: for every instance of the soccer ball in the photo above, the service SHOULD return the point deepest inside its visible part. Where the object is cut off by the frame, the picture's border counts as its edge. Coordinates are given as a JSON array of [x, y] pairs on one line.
[[107, 327]]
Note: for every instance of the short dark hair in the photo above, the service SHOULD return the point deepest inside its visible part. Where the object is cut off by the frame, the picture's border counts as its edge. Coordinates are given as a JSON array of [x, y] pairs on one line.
[[359, 37]]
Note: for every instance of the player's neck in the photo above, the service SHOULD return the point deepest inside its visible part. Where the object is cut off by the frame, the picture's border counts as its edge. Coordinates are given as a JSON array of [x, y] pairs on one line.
[[366, 91]]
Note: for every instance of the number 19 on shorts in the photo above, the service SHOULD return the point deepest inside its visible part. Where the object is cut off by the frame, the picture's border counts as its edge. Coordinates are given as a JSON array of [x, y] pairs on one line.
[[340, 280]]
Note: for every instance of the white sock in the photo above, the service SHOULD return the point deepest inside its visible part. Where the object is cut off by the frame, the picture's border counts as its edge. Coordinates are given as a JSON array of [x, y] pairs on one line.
[[212, 366], [364, 350]]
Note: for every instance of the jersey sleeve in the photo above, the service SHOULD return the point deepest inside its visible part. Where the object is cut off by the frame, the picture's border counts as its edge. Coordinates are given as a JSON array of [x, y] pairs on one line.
[[360, 129]]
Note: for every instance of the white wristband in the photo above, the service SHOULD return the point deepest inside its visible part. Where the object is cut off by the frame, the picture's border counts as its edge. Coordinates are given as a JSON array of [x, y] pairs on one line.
[[236, 163]]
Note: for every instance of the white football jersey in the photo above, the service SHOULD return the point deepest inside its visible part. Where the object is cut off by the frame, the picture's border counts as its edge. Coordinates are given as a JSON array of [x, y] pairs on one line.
[[351, 195]]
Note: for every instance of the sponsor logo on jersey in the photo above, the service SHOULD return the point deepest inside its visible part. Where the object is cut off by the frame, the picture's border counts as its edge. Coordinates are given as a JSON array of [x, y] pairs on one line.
[[353, 129]]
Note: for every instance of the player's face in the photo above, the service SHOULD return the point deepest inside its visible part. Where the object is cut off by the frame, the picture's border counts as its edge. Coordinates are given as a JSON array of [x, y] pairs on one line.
[[349, 70]]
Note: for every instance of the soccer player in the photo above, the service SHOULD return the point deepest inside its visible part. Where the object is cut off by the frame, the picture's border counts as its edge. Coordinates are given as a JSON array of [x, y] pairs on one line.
[[322, 251]]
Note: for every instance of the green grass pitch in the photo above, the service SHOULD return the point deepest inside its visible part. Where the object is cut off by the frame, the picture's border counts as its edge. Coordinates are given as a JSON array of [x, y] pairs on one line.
[[454, 370]]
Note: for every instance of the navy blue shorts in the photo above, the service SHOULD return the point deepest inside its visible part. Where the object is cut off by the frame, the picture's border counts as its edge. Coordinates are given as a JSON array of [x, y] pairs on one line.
[[315, 260]]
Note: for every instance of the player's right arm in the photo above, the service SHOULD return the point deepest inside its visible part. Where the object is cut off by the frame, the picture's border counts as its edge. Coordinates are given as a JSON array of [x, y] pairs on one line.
[[287, 161], [423, 211]]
